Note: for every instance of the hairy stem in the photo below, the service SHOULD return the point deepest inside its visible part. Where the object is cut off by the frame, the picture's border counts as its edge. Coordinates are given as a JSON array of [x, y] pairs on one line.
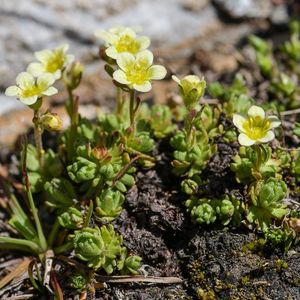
[[38, 131], [119, 97], [131, 109], [72, 109]]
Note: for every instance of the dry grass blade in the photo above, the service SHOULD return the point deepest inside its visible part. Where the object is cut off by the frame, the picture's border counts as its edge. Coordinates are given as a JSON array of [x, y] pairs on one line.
[[139, 278], [16, 272], [20, 297]]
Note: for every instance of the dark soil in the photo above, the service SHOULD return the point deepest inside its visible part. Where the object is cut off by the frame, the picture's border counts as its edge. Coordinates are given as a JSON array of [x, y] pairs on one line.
[[215, 263]]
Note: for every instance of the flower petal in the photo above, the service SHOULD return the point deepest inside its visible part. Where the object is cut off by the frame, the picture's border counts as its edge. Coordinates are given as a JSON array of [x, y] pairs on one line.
[[50, 91], [43, 56], [25, 79], [256, 111], [108, 37], [176, 79], [268, 137], [275, 122], [45, 80], [35, 68], [144, 42], [125, 60], [56, 74], [64, 48], [29, 100], [112, 52], [12, 91], [120, 77], [145, 87], [244, 140], [238, 122], [157, 72], [145, 58], [69, 58]]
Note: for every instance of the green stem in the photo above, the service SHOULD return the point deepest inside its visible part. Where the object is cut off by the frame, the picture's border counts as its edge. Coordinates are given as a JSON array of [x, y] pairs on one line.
[[119, 106], [38, 138], [131, 109], [257, 149], [40, 233], [42, 239], [72, 108], [19, 244], [53, 233]]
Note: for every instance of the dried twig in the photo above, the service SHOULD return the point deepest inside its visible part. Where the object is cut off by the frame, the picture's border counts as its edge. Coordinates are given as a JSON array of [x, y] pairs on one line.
[[290, 112]]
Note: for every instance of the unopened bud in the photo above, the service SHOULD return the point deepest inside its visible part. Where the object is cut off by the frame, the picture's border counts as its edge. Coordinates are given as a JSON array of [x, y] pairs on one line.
[[101, 153], [191, 89], [73, 75], [51, 122]]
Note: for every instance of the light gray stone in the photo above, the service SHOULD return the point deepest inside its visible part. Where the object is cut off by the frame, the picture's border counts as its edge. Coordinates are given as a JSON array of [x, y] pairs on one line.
[[246, 8]]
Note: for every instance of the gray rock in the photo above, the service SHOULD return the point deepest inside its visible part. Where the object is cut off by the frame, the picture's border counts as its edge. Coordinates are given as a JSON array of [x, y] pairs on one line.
[[280, 15], [246, 8], [30, 25]]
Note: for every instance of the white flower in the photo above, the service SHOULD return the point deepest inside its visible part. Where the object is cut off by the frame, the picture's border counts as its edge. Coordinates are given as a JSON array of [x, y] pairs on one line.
[[137, 72], [122, 39], [51, 61], [28, 88], [256, 128]]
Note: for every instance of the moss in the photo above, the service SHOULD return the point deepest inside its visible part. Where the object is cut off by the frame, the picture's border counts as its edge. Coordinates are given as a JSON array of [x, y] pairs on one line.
[[280, 265], [206, 295]]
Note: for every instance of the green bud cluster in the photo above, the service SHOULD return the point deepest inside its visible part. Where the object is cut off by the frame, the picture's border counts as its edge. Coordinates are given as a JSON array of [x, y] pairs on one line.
[[109, 204], [267, 202], [207, 211], [71, 219], [191, 157], [250, 165], [102, 248], [98, 166]]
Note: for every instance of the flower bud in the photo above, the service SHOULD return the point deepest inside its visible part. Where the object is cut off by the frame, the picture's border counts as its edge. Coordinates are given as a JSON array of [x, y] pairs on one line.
[[101, 153], [191, 89], [73, 75], [51, 122]]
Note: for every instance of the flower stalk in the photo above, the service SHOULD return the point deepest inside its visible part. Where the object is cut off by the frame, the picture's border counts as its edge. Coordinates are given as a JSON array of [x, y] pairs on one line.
[[132, 109], [38, 131]]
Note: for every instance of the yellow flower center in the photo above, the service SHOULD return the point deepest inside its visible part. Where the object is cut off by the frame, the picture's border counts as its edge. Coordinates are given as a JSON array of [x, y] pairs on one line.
[[55, 62], [256, 127], [31, 91], [137, 73], [127, 43]]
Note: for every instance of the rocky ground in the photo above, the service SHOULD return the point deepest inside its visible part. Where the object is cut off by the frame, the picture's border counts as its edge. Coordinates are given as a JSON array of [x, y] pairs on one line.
[[187, 36]]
